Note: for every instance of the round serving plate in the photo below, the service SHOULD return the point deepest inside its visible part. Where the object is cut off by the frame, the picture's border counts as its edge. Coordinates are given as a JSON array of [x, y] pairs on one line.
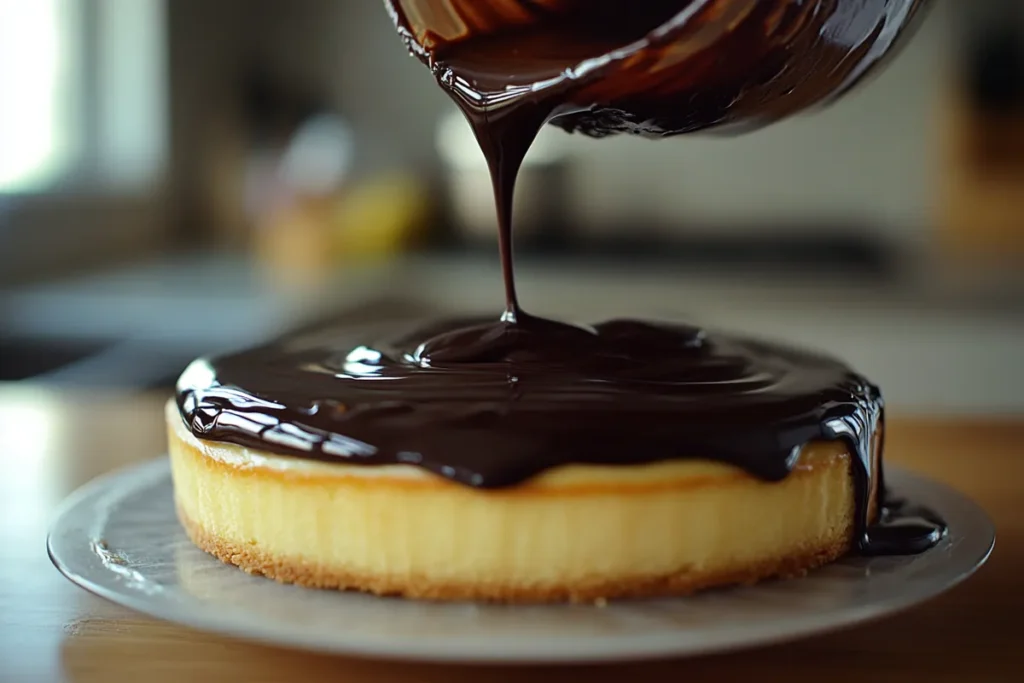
[[118, 537]]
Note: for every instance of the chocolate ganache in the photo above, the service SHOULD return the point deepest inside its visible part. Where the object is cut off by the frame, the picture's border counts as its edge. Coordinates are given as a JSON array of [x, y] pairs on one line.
[[491, 403]]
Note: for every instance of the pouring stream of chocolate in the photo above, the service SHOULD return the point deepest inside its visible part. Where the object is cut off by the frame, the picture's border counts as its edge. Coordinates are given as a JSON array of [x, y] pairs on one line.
[[491, 404]]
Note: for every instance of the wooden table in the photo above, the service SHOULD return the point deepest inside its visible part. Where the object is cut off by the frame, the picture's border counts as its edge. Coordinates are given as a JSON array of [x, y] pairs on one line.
[[52, 442]]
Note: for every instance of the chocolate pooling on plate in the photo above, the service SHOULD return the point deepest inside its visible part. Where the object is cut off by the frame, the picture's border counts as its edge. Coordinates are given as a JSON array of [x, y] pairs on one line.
[[490, 403]]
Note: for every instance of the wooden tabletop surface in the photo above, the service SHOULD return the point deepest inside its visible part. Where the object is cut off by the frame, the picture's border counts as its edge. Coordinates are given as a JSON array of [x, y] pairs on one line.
[[52, 442]]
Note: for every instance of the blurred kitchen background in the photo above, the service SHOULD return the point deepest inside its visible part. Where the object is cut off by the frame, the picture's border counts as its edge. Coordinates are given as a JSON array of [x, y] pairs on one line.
[[180, 177]]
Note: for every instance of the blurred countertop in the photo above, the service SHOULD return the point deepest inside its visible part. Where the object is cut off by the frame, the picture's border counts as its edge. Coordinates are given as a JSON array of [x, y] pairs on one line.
[[936, 344]]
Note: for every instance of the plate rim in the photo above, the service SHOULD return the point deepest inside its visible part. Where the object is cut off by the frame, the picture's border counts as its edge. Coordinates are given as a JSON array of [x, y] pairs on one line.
[[600, 648]]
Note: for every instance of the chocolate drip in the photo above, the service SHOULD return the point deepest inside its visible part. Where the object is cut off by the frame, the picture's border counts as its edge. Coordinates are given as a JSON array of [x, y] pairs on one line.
[[903, 529], [490, 404]]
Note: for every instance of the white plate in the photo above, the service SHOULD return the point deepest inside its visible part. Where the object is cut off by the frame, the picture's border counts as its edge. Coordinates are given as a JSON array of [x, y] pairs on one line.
[[118, 537]]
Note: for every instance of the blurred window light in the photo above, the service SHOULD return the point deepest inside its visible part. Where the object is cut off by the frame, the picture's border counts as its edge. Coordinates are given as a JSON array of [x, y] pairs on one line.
[[82, 95], [35, 41], [131, 92]]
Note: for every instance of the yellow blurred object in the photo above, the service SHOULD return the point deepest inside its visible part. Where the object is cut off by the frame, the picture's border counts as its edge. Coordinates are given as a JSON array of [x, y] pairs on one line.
[[379, 218], [373, 219]]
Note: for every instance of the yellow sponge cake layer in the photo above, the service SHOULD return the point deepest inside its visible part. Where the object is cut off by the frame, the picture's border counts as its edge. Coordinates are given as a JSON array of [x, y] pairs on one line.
[[575, 533]]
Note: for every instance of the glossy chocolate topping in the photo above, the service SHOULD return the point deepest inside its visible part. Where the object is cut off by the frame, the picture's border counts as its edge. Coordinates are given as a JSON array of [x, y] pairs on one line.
[[492, 403]]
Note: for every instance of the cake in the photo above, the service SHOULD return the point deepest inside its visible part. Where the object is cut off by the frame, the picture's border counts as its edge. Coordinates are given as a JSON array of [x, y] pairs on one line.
[[318, 461], [579, 533]]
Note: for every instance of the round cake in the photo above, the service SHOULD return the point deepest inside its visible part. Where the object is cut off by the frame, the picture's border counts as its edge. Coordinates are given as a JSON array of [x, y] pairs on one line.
[[526, 462], [578, 533]]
